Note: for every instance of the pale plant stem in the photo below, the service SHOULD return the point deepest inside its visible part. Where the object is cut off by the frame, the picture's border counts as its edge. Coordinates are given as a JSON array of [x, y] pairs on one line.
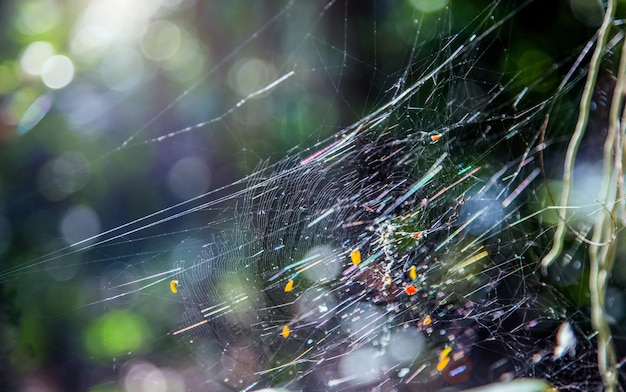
[[602, 258], [602, 247], [577, 135]]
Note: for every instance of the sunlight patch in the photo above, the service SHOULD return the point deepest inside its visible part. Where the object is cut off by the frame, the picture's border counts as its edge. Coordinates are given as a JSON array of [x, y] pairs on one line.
[[429, 6]]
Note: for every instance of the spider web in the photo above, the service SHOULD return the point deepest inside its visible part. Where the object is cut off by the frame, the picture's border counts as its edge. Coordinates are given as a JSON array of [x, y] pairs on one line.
[[402, 252], [393, 257]]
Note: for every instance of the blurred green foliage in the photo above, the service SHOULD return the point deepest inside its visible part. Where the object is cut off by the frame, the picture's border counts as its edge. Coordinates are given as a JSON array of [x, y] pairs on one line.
[[116, 333]]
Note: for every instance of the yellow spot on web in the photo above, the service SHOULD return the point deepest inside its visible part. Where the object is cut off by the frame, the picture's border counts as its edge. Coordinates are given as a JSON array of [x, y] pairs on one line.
[[443, 363], [174, 286], [427, 320], [444, 358], [355, 256], [286, 331], [413, 272], [289, 286]]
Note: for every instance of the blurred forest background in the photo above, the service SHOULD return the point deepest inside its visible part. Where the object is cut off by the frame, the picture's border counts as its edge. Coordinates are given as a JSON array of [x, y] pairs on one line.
[[87, 88]]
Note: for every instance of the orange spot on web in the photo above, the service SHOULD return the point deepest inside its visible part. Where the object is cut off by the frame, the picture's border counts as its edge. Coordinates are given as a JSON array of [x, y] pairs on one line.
[[285, 331], [289, 286], [410, 289]]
